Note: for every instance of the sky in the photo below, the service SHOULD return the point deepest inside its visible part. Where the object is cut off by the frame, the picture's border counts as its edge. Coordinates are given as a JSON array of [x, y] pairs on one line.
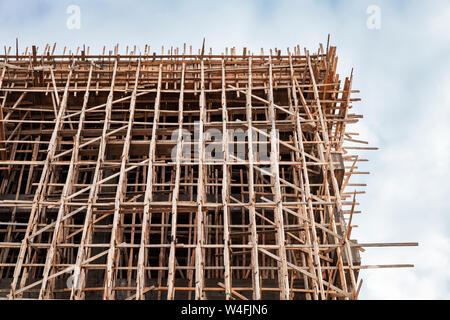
[[399, 51]]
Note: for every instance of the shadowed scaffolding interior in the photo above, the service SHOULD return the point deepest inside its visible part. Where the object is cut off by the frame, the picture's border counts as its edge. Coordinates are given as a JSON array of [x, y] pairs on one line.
[[102, 198]]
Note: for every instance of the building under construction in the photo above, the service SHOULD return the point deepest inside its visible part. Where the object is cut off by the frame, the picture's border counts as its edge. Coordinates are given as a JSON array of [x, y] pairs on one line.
[[178, 175]]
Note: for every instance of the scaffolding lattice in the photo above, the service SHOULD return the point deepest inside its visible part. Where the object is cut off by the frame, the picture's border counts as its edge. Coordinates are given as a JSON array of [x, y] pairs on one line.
[[177, 176]]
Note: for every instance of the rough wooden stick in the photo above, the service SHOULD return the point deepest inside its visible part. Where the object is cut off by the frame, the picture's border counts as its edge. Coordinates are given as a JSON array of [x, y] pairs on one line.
[[120, 195], [175, 194], [148, 195], [252, 196]]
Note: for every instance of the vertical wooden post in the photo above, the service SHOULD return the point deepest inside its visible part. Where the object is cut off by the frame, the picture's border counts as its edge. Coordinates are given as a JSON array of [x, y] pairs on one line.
[[252, 196], [175, 194], [148, 194]]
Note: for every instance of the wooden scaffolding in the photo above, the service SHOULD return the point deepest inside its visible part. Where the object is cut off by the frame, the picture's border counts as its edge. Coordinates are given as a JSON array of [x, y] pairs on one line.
[[178, 175]]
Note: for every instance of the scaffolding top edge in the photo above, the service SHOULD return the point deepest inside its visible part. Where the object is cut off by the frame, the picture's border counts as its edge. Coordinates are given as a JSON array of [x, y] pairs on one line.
[[157, 56]]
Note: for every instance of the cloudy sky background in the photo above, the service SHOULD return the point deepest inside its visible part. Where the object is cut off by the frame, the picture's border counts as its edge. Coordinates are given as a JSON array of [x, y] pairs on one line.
[[402, 71]]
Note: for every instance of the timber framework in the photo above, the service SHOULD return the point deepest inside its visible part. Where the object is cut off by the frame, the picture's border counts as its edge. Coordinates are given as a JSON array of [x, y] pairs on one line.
[[179, 175]]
